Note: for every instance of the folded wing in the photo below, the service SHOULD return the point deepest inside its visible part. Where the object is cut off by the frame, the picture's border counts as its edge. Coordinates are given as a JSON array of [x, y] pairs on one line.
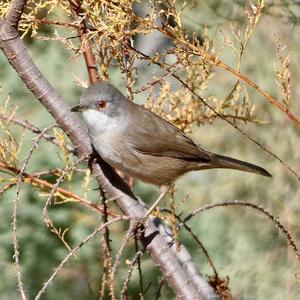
[[157, 137]]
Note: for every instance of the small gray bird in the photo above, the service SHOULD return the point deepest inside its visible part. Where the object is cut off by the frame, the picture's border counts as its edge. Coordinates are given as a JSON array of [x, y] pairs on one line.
[[141, 144]]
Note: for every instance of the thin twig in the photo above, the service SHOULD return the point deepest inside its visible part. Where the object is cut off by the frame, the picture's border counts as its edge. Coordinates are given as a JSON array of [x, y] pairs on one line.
[[85, 44], [34, 129], [197, 240], [173, 217], [107, 259], [139, 265], [43, 184], [162, 282], [259, 208], [7, 187], [73, 252], [47, 219], [124, 290], [204, 250], [52, 172], [125, 241], [15, 212], [58, 181], [51, 22], [205, 290]]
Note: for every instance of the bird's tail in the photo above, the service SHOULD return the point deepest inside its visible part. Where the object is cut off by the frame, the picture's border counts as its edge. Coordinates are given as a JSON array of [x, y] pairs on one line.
[[232, 163]]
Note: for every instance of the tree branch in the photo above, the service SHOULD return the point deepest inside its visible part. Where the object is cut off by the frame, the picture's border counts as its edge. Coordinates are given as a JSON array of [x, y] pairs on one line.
[[45, 185], [17, 55], [14, 15], [85, 44], [34, 129], [259, 208]]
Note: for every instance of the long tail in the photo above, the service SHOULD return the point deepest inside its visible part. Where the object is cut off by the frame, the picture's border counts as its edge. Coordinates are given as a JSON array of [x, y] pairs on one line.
[[231, 163]]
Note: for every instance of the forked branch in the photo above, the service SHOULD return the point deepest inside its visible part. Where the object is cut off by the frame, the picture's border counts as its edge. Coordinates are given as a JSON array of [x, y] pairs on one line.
[[17, 55]]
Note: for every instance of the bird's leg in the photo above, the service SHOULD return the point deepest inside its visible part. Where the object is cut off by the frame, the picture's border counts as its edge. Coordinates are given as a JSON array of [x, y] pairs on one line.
[[164, 189]]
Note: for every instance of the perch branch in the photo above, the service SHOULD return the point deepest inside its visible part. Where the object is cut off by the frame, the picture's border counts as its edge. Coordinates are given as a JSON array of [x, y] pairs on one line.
[[17, 55]]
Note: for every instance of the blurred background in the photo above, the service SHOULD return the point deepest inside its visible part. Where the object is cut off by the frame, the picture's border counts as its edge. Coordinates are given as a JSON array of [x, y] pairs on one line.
[[243, 244]]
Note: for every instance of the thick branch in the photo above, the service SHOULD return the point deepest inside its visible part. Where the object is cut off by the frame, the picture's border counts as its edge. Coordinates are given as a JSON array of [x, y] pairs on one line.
[[186, 261], [14, 15], [159, 250]]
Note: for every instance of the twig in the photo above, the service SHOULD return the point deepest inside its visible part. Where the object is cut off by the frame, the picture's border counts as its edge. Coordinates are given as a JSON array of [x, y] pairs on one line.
[[189, 230], [204, 289], [47, 219], [15, 212], [7, 187], [139, 265], [160, 286], [220, 285], [173, 217], [51, 22], [261, 209], [43, 184], [58, 181], [85, 44], [260, 145], [125, 241], [34, 129], [53, 172], [107, 259], [124, 290], [73, 252]]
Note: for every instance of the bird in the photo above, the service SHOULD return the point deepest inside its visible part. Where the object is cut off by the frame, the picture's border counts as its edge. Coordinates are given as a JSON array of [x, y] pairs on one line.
[[143, 145]]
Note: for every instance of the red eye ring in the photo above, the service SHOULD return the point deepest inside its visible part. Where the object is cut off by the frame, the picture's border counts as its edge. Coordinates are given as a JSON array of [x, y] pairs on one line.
[[101, 104]]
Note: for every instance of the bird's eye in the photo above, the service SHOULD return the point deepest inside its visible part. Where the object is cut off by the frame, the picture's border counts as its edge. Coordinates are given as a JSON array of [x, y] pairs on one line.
[[101, 104]]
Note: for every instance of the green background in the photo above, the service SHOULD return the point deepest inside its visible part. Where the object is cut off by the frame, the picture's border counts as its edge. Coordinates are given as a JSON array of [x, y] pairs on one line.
[[244, 245]]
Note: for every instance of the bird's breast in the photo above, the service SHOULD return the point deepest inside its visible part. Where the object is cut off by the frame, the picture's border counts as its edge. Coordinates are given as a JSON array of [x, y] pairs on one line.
[[99, 123]]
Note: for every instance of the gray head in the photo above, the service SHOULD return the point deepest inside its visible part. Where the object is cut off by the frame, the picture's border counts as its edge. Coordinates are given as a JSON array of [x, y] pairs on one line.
[[102, 105], [102, 97]]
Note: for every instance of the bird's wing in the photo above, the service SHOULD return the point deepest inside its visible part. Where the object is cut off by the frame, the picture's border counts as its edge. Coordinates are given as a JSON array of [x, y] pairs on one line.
[[158, 137]]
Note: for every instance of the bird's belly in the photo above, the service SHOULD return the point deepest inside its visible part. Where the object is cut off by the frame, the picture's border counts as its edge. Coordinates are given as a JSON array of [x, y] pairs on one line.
[[122, 160], [109, 148]]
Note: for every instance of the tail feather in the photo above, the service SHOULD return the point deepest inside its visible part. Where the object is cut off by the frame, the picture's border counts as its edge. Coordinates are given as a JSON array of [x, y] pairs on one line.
[[232, 163]]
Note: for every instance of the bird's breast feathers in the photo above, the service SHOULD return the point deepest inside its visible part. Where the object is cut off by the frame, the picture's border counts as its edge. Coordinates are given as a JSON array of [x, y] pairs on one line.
[[100, 123]]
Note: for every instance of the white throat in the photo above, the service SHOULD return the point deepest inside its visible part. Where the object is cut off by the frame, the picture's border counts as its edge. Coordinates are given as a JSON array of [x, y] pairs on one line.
[[96, 121], [99, 122]]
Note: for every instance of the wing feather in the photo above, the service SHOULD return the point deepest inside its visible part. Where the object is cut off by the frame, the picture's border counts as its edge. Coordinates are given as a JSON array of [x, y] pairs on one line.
[[158, 137]]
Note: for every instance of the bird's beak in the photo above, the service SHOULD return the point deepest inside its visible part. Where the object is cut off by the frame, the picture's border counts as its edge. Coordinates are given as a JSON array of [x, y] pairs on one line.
[[78, 108]]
